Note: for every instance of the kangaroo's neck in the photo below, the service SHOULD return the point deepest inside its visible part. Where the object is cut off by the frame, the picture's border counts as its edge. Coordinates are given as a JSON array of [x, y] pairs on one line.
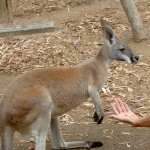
[[103, 57]]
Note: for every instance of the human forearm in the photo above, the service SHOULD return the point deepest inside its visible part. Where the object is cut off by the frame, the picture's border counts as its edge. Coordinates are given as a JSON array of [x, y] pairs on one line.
[[142, 122]]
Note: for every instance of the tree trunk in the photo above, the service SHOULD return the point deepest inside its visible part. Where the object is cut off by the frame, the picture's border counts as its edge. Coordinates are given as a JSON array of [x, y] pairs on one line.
[[134, 19], [5, 11]]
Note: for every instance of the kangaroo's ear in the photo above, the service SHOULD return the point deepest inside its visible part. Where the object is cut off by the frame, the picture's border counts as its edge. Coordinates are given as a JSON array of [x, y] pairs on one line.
[[105, 24], [109, 36], [108, 32]]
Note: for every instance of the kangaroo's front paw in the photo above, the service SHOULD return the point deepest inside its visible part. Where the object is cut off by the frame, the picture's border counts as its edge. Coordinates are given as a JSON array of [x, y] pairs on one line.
[[98, 118]]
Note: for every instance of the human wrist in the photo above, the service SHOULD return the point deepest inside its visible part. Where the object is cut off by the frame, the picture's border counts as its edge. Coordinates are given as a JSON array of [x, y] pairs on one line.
[[137, 122]]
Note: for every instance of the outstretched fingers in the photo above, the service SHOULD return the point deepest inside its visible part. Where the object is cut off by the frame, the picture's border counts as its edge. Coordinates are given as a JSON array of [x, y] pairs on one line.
[[121, 106], [118, 103], [126, 106], [114, 108]]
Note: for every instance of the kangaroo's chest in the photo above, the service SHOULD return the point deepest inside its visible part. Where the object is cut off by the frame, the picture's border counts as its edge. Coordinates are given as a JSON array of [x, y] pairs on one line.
[[99, 78]]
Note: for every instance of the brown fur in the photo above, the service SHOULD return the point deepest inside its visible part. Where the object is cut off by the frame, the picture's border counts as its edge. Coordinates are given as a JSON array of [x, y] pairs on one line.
[[22, 100], [38, 97]]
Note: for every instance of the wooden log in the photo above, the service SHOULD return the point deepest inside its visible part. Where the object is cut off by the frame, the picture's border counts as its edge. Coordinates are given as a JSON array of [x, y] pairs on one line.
[[5, 11], [23, 29]]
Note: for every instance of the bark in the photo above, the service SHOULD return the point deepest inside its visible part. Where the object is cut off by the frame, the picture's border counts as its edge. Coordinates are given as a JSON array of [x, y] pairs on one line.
[[134, 19], [5, 11]]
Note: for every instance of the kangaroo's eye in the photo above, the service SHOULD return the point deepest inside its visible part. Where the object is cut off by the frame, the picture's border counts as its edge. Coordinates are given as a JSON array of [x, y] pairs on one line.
[[121, 49]]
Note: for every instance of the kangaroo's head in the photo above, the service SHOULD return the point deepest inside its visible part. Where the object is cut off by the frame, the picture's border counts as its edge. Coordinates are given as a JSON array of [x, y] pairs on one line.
[[117, 49]]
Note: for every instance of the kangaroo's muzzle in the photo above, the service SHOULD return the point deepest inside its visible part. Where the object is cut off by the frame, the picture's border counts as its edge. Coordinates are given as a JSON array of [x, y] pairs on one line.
[[134, 59]]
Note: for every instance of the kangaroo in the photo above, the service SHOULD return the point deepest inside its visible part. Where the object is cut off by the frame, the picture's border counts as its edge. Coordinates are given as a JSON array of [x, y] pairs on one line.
[[35, 100]]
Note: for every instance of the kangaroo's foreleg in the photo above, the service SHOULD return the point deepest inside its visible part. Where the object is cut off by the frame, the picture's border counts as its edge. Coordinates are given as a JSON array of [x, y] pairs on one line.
[[58, 142], [7, 138], [99, 114]]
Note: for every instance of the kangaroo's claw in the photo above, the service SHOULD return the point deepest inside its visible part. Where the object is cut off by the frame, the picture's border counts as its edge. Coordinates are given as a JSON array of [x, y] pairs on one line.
[[97, 118]]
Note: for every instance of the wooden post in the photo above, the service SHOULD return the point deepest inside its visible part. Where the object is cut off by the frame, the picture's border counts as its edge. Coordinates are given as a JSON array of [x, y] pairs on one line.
[[134, 19], [5, 11]]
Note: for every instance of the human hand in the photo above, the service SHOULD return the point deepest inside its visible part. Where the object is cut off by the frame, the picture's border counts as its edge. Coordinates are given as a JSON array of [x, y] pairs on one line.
[[123, 113]]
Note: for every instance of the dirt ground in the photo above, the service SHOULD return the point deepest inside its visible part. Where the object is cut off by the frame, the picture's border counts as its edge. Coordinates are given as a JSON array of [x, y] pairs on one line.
[[78, 125], [78, 37]]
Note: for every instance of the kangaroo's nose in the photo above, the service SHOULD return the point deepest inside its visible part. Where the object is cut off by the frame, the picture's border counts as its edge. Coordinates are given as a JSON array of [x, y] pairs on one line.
[[137, 58], [134, 59]]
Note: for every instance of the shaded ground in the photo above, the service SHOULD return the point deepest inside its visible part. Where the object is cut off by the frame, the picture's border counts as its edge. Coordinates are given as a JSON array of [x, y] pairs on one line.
[[78, 37]]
